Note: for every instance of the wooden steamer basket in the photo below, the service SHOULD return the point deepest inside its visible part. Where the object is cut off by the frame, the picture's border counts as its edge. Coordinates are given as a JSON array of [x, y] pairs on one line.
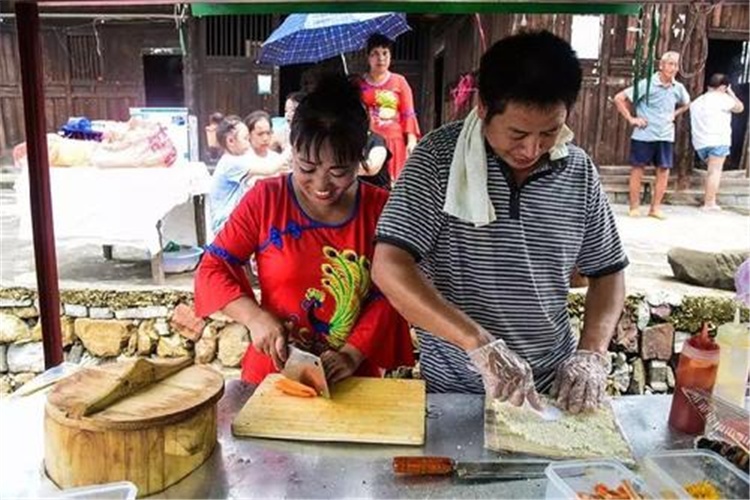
[[145, 422]]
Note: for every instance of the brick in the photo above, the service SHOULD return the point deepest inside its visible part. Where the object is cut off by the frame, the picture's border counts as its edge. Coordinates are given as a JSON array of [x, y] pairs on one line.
[[147, 312], [657, 342], [76, 311], [16, 302], [186, 323], [101, 313], [626, 334]]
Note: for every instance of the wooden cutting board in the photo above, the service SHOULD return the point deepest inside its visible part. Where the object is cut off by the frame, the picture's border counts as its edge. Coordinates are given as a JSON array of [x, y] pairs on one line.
[[153, 437], [361, 410]]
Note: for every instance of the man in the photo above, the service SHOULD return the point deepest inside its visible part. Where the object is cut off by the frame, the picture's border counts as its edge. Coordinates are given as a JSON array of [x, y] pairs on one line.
[[652, 142], [711, 130], [477, 254]]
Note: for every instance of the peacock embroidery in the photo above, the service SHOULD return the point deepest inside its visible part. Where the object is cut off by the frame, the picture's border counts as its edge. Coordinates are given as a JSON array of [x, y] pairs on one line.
[[346, 279]]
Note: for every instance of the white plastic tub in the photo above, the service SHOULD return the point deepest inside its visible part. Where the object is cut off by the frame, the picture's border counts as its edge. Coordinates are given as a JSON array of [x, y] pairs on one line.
[[668, 472], [566, 479], [181, 261], [123, 490]]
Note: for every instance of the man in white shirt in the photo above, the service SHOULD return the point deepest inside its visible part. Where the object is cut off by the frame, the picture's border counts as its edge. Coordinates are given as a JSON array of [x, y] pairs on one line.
[[711, 128]]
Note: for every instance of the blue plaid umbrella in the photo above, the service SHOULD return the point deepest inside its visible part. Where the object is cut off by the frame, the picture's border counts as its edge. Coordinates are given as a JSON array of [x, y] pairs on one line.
[[306, 38]]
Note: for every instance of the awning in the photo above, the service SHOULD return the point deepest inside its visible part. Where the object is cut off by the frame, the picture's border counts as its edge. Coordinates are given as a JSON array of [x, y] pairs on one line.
[[414, 7]]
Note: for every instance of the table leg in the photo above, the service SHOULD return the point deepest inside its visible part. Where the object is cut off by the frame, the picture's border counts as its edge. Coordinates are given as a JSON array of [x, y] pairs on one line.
[[199, 206], [107, 252], [157, 269]]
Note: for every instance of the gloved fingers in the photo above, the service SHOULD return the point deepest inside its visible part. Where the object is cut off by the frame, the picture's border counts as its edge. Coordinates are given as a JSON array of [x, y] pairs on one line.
[[591, 398], [576, 395], [563, 383], [533, 398], [517, 395]]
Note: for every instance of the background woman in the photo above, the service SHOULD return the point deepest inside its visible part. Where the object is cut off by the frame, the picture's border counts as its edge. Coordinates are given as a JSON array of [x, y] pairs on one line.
[[312, 233], [390, 104]]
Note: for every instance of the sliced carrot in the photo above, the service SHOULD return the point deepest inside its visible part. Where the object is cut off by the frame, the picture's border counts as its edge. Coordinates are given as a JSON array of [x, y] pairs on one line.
[[294, 388], [630, 490]]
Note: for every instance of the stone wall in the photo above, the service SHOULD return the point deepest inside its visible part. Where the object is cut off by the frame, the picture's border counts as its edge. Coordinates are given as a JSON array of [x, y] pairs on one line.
[[100, 326]]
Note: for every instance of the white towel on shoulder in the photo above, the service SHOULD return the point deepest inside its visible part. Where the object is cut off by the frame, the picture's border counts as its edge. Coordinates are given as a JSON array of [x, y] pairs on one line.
[[466, 196]]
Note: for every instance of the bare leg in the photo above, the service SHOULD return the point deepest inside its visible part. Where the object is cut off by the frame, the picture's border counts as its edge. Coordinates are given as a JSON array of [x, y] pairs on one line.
[[713, 178], [636, 176], [662, 178]]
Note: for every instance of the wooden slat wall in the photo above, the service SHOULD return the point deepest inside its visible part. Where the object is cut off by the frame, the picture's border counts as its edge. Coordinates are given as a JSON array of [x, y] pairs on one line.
[[597, 125], [110, 85]]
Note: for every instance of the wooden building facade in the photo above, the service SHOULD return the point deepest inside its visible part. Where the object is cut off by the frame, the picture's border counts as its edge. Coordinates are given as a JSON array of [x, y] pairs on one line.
[[99, 67], [94, 68], [455, 49]]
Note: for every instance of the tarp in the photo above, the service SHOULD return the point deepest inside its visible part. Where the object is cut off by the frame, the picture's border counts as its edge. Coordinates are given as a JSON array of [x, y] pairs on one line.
[[413, 7]]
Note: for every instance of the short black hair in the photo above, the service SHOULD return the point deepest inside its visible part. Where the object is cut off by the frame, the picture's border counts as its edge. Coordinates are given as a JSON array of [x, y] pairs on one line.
[[717, 80], [377, 40], [215, 118], [226, 128], [255, 117], [534, 68], [332, 112], [296, 96]]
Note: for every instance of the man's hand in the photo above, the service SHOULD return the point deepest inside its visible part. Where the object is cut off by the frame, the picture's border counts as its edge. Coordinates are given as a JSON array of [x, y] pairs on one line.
[[581, 381], [638, 122], [341, 364], [506, 375], [268, 335]]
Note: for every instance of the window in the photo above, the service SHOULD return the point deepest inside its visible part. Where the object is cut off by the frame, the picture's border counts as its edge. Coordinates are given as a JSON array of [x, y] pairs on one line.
[[85, 61], [236, 36], [586, 36]]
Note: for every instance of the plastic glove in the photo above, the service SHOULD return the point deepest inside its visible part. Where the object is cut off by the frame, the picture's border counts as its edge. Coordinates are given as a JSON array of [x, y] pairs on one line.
[[505, 374], [581, 381]]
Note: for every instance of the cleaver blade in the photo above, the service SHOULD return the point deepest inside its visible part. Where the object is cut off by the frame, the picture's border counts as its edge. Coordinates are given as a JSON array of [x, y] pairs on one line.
[[307, 369]]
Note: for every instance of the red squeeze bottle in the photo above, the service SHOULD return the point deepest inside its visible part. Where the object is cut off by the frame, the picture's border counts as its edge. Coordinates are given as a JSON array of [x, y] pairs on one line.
[[699, 362]]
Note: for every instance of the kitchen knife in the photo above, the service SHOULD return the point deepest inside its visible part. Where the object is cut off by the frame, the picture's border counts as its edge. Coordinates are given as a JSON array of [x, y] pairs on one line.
[[307, 369], [504, 468]]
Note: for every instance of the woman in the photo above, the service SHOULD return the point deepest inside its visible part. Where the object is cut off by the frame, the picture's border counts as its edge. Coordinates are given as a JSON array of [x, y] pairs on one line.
[[389, 101], [312, 232], [263, 161]]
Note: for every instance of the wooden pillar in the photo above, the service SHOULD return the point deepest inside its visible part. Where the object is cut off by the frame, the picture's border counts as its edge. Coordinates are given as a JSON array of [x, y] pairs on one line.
[[29, 48]]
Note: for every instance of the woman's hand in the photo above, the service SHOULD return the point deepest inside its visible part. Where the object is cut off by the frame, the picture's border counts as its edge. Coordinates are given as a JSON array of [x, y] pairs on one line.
[[341, 364], [268, 335]]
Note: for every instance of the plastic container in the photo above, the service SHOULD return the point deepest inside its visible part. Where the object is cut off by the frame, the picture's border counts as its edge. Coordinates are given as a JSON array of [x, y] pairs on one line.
[[183, 260], [123, 490], [667, 473], [699, 361], [567, 479], [734, 361]]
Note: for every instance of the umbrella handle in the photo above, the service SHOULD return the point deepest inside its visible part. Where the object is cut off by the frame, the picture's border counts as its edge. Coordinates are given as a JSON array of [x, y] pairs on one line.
[[343, 61]]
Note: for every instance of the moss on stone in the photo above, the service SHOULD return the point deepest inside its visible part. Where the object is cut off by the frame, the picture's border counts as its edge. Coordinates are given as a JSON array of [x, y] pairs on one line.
[[113, 299], [693, 311]]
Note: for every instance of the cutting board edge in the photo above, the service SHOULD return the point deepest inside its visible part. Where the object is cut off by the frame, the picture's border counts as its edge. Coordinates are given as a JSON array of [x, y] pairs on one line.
[[325, 439]]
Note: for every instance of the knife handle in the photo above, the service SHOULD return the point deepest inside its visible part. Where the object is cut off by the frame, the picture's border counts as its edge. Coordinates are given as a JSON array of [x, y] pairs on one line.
[[423, 466]]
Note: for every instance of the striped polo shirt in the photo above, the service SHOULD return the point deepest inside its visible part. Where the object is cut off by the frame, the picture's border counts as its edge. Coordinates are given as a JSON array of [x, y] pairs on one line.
[[510, 276]]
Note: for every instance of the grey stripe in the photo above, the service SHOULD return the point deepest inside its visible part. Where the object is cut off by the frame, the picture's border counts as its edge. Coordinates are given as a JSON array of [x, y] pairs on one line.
[[512, 275]]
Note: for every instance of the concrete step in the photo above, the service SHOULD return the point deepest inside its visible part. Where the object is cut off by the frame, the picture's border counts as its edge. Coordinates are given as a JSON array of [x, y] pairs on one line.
[[689, 197], [625, 170], [734, 184]]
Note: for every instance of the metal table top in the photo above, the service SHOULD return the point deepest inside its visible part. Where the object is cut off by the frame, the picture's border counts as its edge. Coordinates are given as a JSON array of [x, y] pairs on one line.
[[266, 468]]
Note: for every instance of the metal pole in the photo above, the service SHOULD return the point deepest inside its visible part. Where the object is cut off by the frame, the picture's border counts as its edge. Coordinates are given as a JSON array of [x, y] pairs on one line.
[[29, 49]]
